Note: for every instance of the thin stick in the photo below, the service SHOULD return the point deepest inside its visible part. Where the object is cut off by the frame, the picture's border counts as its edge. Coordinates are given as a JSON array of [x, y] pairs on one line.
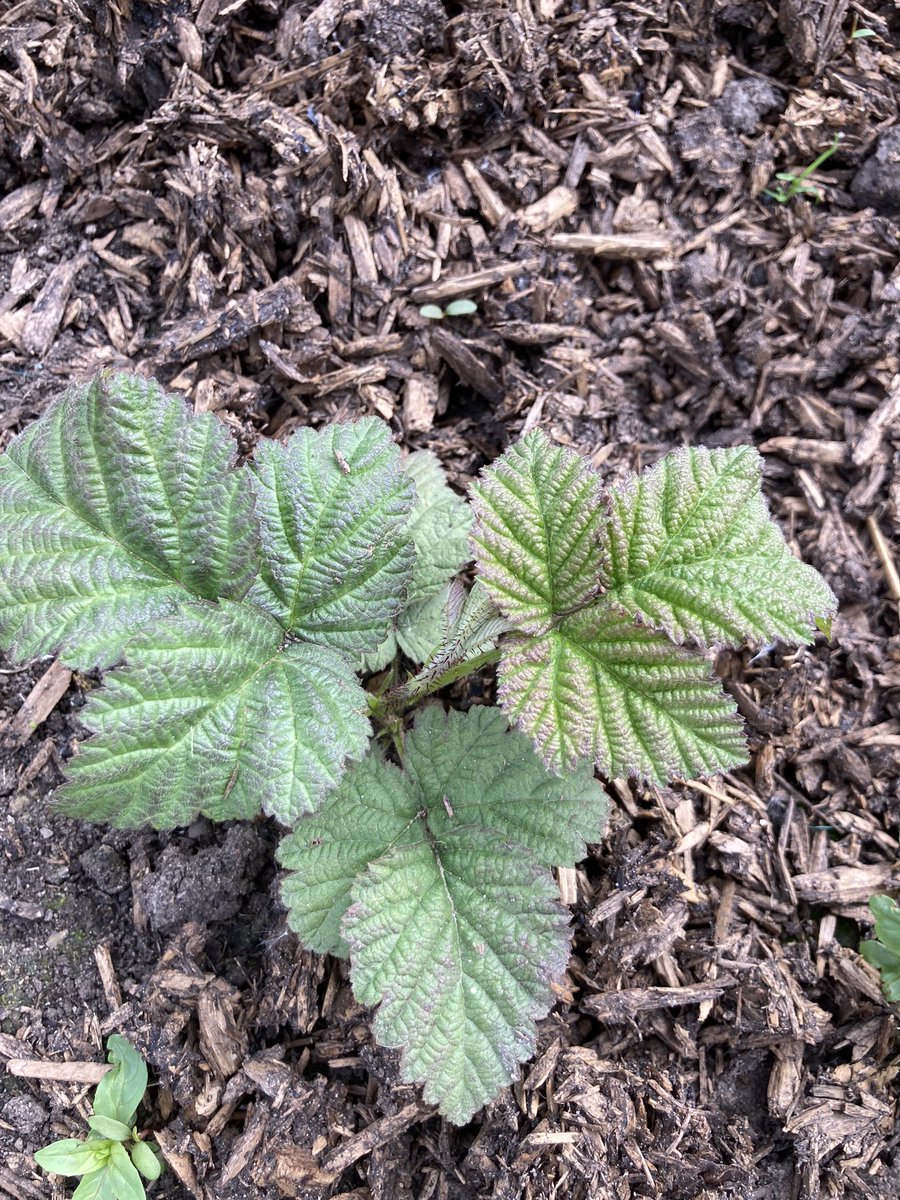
[[883, 550], [64, 1072]]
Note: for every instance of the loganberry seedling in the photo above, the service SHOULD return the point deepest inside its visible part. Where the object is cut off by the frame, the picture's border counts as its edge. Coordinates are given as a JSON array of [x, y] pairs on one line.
[[233, 608]]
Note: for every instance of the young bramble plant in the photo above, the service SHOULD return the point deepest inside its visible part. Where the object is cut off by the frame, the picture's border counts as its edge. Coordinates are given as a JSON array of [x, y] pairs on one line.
[[113, 1157], [884, 951], [233, 608]]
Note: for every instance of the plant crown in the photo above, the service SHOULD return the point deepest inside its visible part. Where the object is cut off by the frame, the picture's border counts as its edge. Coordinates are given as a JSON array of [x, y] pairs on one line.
[[233, 608], [113, 1157]]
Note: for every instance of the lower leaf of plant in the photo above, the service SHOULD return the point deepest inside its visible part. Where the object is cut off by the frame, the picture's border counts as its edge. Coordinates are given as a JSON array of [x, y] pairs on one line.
[[457, 940], [454, 926]]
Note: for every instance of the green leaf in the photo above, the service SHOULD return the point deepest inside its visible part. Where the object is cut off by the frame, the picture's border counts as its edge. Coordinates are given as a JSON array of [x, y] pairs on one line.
[[457, 940], [885, 953], [334, 506], [72, 1157], [472, 770], [115, 506], [439, 528], [537, 532], [694, 552], [372, 810], [123, 1177], [96, 1186], [623, 696], [217, 711], [121, 1090], [146, 1161], [107, 1127], [461, 769], [431, 312], [461, 308]]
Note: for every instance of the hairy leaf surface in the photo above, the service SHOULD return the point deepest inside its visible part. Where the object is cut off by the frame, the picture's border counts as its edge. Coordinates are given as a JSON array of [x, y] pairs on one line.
[[461, 769], [439, 528], [537, 532], [624, 696], [468, 830], [214, 713], [334, 507], [471, 769], [115, 507], [693, 551], [374, 808], [457, 940]]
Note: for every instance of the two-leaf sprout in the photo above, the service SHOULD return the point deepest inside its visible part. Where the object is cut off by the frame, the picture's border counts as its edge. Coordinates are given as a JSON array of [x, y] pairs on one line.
[[456, 308]]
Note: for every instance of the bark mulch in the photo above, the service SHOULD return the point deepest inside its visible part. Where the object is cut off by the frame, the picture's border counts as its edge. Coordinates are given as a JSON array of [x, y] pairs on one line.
[[252, 201]]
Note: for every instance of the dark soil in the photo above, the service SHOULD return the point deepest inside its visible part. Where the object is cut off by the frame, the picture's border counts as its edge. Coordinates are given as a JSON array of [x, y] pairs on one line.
[[251, 201]]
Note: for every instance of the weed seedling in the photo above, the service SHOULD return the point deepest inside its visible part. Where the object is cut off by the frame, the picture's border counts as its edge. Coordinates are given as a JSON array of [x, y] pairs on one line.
[[797, 185], [233, 608], [456, 308], [884, 952], [113, 1157]]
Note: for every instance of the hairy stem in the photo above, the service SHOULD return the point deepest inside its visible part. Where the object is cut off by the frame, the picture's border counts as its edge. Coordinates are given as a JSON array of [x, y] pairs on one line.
[[429, 680]]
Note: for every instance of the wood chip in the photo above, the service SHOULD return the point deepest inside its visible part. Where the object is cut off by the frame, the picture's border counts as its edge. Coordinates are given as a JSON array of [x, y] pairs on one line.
[[37, 707]]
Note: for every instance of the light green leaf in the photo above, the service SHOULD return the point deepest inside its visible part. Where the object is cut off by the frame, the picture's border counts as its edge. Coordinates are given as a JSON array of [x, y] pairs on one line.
[[107, 1127], [693, 551], [461, 308], [96, 1186], [217, 711], [146, 1161], [123, 1176], [121, 1090], [537, 532], [623, 696], [472, 770], [439, 528], [117, 505], [457, 940], [72, 1157], [885, 953], [372, 810], [334, 506]]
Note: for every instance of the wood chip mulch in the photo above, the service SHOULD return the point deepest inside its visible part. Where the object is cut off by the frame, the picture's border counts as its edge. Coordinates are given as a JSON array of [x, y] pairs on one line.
[[252, 201]]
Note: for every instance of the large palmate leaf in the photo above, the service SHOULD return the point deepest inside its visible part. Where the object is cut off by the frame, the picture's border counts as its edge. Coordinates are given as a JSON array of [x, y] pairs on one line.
[[334, 506], [457, 940], [537, 533], [461, 769], [439, 528], [115, 507], [692, 550], [468, 830], [216, 712], [625, 696]]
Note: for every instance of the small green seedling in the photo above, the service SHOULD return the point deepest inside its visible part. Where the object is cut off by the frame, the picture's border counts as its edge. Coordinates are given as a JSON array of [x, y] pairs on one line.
[[113, 1154], [884, 952], [233, 607], [456, 308], [797, 185]]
